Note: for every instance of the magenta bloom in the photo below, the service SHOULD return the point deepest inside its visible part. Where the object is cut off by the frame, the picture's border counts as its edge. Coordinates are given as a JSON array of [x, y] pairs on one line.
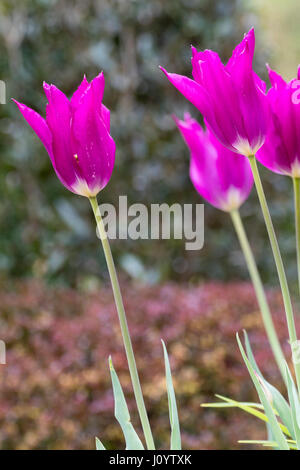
[[76, 135], [221, 176], [281, 150], [231, 97]]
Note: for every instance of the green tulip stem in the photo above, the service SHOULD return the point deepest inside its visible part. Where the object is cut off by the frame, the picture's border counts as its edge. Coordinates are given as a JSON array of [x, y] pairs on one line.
[[279, 265], [296, 184], [124, 326], [259, 291]]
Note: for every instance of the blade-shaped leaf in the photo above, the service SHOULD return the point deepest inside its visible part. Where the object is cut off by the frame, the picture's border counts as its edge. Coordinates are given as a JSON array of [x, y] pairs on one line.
[[269, 443], [133, 441], [266, 443], [252, 409], [99, 445], [233, 404], [249, 409], [295, 405], [279, 402], [277, 433], [270, 436], [173, 413]]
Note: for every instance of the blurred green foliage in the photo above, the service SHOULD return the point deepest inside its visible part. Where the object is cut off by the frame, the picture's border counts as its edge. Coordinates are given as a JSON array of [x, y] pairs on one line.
[[48, 232]]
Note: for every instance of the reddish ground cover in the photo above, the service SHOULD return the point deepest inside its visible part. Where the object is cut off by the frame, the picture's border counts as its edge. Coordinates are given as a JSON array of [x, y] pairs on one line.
[[55, 390]]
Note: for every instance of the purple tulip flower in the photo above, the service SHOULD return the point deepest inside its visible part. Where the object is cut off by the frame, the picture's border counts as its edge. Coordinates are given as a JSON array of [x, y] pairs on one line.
[[76, 135], [219, 175], [231, 97], [281, 150]]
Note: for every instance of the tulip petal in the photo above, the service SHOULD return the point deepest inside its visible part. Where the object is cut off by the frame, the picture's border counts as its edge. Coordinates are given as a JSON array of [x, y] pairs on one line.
[[276, 80], [38, 124], [281, 151], [247, 45], [245, 50], [261, 84], [191, 131], [77, 95], [194, 92], [227, 122], [58, 117], [221, 176], [98, 84], [252, 101], [93, 146], [105, 114]]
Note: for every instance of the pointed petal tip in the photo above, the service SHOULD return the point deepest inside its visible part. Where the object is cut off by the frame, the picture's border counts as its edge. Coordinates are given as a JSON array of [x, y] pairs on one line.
[[99, 79], [175, 119], [100, 74], [187, 116], [194, 51], [185, 122], [164, 71], [268, 67], [47, 89], [21, 106], [50, 87], [275, 78], [250, 33], [46, 85]]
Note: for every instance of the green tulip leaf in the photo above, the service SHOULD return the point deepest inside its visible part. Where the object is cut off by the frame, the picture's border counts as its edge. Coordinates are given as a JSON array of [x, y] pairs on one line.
[[132, 440], [278, 401], [173, 413], [99, 445], [277, 432]]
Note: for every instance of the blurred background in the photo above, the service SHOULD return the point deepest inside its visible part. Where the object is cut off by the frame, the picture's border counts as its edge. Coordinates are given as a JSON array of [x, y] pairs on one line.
[[55, 390]]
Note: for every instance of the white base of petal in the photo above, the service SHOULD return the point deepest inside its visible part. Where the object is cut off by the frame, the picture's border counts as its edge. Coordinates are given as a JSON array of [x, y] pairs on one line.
[[234, 200], [295, 169], [81, 187], [243, 147]]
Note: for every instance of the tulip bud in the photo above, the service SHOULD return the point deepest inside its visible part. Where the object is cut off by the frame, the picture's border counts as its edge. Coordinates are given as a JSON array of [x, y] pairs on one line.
[[221, 176]]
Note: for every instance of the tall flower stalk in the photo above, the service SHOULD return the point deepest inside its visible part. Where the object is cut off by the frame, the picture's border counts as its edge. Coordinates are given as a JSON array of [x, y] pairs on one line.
[[266, 126], [259, 291], [124, 326], [278, 261], [280, 152], [224, 179], [76, 135], [246, 120]]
